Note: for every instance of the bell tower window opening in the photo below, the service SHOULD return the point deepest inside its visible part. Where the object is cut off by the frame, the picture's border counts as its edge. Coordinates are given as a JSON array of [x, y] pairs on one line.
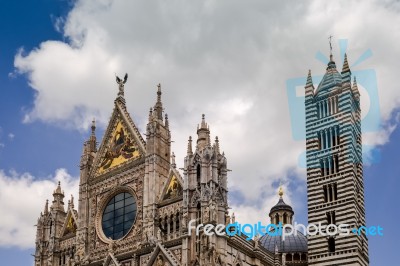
[[331, 244]]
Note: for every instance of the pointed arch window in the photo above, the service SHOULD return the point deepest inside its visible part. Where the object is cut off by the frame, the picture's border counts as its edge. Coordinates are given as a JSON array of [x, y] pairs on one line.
[[198, 175]]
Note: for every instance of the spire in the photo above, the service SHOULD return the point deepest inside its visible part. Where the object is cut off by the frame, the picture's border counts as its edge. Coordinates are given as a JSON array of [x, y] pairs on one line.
[[159, 92], [330, 48], [309, 79], [203, 133], [345, 67], [46, 207], [331, 63], [217, 144], [173, 164], [58, 189], [203, 121], [72, 201], [92, 139], [355, 90], [58, 196], [158, 109], [189, 148]]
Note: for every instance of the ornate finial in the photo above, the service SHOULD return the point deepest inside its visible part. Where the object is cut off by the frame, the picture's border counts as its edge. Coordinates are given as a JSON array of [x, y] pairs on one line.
[[72, 201], [158, 109], [280, 192], [121, 84], [46, 207], [203, 121], [189, 148], [173, 164], [217, 144], [166, 121], [93, 126], [330, 46], [159, 92]]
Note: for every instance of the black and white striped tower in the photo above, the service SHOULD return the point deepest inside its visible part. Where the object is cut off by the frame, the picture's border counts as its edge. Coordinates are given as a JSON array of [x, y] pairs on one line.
[[335, 184]]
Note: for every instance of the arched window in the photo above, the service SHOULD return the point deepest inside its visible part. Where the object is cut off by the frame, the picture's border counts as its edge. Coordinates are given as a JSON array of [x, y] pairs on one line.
[[285, 218], [331, 244], [276, 218]]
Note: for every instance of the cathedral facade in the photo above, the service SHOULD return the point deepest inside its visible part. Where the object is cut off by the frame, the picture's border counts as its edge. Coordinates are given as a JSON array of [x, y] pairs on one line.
[[134, 206]]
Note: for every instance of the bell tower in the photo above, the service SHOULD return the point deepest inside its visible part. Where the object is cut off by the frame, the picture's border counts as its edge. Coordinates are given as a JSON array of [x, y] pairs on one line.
[[335, 184]]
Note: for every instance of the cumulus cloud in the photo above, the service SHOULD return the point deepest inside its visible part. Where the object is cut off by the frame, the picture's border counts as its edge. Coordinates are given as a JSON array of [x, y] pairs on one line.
[[227, 59], [22, 198]]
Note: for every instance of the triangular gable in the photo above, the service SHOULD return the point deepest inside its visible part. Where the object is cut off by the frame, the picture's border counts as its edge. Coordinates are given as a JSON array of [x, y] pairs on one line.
[[122, 143], [173, 188], [111, 261], [161, 255], [70, 224]]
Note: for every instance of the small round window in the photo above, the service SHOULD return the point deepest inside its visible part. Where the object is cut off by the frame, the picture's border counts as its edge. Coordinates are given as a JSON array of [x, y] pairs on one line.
[[119, 215]]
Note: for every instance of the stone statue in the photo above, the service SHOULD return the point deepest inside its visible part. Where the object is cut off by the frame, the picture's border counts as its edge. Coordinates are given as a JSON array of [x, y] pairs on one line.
[[206, 215], [159, 234], [213, 211], [121, 84], [160, 261], [184, 220]]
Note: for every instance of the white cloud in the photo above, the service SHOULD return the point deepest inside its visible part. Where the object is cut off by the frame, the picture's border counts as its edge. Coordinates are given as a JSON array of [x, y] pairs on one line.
[[22, 198], [227, 59], [11, 136]]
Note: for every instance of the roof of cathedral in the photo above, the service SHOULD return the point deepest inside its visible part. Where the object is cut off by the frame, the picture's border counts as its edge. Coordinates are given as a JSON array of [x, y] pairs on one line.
[[331, 78], [292, 243]]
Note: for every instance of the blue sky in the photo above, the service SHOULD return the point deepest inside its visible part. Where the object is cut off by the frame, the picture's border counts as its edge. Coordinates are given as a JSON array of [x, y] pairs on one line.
[[205, 65]]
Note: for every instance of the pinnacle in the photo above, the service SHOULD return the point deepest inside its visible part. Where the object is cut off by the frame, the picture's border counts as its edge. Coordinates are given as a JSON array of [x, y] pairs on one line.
[[345, 67], [309, 79], [93, 126]]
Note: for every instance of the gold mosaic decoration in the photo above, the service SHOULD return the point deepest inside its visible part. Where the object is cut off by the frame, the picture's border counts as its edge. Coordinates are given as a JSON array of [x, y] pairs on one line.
[[71, 226], [120, 148], [174, 189]]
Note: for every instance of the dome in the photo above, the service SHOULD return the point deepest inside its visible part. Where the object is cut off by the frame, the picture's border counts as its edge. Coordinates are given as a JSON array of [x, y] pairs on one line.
[[292, 243], [331, 78], [281, 206]]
